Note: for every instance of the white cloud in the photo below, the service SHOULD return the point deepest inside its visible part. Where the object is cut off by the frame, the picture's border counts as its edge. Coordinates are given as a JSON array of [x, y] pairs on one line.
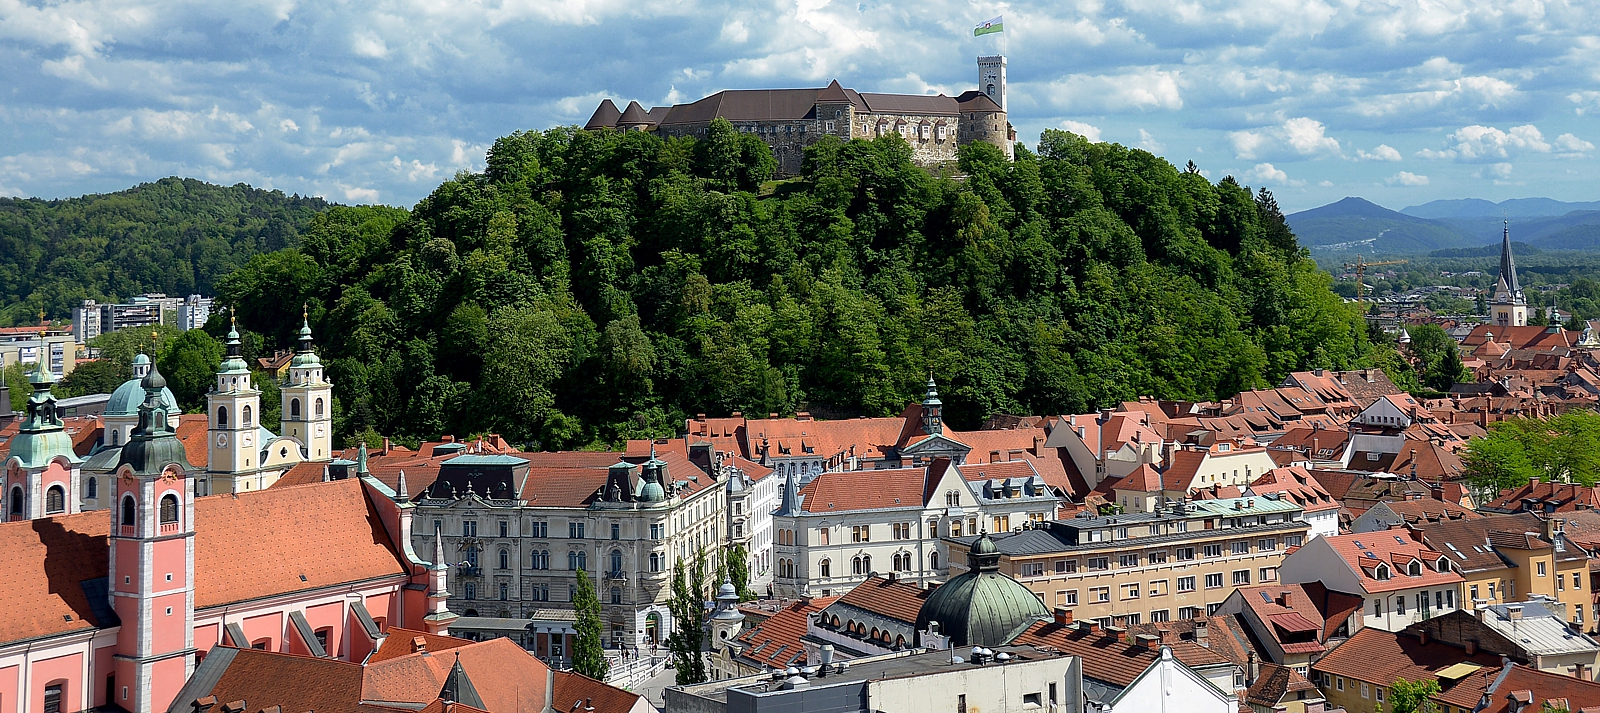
[[1586, 101], [1572, 146], [360, 195], [1269, 173], [1087, 131], [1139, 90], [1147, 141], [1407, 178], [1301, 136], [1497, 171], [1383, 152], [1479, 143]]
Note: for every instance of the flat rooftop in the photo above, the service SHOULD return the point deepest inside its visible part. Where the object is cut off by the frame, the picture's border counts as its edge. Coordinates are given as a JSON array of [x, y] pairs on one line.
[[878, 668]]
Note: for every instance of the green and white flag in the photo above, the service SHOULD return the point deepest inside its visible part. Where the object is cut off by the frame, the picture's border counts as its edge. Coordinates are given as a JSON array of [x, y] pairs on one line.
[[989, 28]]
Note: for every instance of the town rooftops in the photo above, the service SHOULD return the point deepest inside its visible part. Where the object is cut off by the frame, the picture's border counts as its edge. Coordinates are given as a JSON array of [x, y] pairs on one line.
[[1109, 658], [892, 598], [775, 643], [1381, 657], [1296, 485], [1254, 515], [1290, 609], [1545, 497], [238, 555]]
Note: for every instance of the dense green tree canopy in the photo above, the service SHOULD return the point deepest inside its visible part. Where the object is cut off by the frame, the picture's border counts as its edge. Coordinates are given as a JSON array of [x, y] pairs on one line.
[[594, 286], [1562, 449], [176, 236]]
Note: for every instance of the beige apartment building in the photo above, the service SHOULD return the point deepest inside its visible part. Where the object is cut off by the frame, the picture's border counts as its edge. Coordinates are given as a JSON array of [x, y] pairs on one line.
[[1177, 563]]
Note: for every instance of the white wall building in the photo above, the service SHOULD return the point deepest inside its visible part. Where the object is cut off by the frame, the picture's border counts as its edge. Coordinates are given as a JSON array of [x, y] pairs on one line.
[[1400, 579]]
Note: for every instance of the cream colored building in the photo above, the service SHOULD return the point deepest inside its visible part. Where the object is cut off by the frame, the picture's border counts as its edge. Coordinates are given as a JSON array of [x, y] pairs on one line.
[[1129, 569]]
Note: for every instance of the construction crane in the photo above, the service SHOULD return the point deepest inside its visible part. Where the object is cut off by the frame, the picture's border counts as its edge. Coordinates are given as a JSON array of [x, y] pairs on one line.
[[1360, 266]]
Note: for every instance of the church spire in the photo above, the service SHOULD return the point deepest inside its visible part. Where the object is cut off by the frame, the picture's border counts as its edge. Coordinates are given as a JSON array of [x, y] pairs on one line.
[[1508, 266]]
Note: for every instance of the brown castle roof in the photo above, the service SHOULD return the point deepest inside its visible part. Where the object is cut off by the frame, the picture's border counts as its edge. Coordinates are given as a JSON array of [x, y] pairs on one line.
[[605, 116]]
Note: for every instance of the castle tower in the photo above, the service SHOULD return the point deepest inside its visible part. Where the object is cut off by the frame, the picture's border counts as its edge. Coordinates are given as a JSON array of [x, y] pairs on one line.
[[232, 408], [41, 469], [1508, 307], [152, 561], [836, 112], [992, 78], [308, 401]]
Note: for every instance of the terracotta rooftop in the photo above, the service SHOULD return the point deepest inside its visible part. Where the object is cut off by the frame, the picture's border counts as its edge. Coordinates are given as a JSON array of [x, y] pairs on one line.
[[238, 554], [775, 643], [1391, 551], [1297, 484], [1381, 657], [1324, 611], [1108, 658], [402, 642], [898, 600], [1546, 497], [572, 688]]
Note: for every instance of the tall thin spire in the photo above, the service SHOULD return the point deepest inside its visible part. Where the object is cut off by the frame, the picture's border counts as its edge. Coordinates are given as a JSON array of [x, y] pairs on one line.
[[1508, 266], [438, 549]]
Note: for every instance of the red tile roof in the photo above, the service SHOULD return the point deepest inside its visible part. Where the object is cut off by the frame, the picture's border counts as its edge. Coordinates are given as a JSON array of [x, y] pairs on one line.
[[775, 642], [1108, 658], [897, 600], [1534, 687], [399, 642], [193, 432], [1363, 552], [571, 689], [1562, 497], [838, 491], [47, 562], [508, 678], [263, 679], [1324, 610], [1299, 485], [239, 550], [1381, 657]]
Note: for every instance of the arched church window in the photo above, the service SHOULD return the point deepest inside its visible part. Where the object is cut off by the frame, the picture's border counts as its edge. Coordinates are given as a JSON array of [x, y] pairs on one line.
[[169, 509], [116, 437], [825, 568], [319, 408], [244, 415], [933, 560], [294, 408], [91, 487], [16, 501], [55, 500], [128, 515], [222, 417]]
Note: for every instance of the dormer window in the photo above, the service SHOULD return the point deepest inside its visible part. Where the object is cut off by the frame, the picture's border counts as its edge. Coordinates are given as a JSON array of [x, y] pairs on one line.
[[1443, 565], [1381, 572], [1414, 569]]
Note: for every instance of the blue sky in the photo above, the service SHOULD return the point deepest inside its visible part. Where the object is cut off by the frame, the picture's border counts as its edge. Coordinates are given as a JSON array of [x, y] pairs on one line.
[[1398, 101]]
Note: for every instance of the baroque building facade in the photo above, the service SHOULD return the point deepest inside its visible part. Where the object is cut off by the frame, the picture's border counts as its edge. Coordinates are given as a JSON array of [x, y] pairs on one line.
[[789, 120]]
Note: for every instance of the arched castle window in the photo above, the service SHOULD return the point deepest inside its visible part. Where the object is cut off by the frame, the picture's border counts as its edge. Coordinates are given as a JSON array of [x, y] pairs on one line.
[[222, 417], [55, 500], [169, 509], [294, 408], [129, 517], [91, 487], [505, 559], [319, 407], [16, 501], [855, 566], [245, 415], [577, 560], [116, 437], [933, 560], [825, 568]]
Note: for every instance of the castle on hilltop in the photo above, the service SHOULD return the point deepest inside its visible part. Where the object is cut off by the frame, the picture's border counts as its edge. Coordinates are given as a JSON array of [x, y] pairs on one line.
[[789, 120]]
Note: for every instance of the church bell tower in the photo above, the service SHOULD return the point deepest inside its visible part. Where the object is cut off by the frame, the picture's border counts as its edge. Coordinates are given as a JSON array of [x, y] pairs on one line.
[[308, 400], [232, 408], [1509, 306]]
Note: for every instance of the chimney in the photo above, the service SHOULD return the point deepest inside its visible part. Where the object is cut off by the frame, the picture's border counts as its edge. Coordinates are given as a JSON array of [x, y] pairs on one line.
[[1424, 637], [1164, 635], [1063, 616], [201, 705], [1089, 626], [1514, 612], [386, 445], [1202, 633], [1287, 600], [1254, 673], [1148, 641], [1105, 415]]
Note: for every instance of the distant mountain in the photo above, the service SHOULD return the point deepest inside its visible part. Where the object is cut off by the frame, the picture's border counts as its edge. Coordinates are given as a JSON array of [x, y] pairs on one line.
[[1358, 224], [1480, 208], [1491, 250]]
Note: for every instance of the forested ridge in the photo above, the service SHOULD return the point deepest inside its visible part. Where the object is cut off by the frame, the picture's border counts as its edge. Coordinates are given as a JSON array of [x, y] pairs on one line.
[[593, 286], [174, 235]]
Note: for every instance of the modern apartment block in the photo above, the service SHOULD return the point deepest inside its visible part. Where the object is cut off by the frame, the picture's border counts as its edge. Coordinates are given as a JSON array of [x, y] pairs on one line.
[[91, 319], [1177, 563]]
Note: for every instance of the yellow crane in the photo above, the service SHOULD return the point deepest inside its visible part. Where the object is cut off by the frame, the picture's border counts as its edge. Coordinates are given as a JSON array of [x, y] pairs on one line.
[[1360, 266]]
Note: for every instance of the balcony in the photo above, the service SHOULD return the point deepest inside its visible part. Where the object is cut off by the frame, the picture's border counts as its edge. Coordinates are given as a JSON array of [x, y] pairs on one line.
[[616, 576], [469, 570]]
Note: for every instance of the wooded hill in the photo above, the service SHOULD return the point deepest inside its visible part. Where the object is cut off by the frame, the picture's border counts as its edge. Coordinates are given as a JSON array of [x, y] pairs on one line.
[[175, 235], [594, 286]]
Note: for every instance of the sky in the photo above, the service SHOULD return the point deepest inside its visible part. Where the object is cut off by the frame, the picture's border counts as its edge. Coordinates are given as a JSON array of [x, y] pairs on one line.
[[1397, 101]]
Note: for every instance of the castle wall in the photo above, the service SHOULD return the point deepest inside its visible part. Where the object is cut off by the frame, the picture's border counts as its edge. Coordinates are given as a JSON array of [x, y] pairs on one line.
[[789, 138]]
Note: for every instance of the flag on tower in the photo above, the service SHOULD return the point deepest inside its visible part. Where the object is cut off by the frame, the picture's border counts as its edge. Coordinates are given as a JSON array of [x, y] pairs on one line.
[[990, 27]]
